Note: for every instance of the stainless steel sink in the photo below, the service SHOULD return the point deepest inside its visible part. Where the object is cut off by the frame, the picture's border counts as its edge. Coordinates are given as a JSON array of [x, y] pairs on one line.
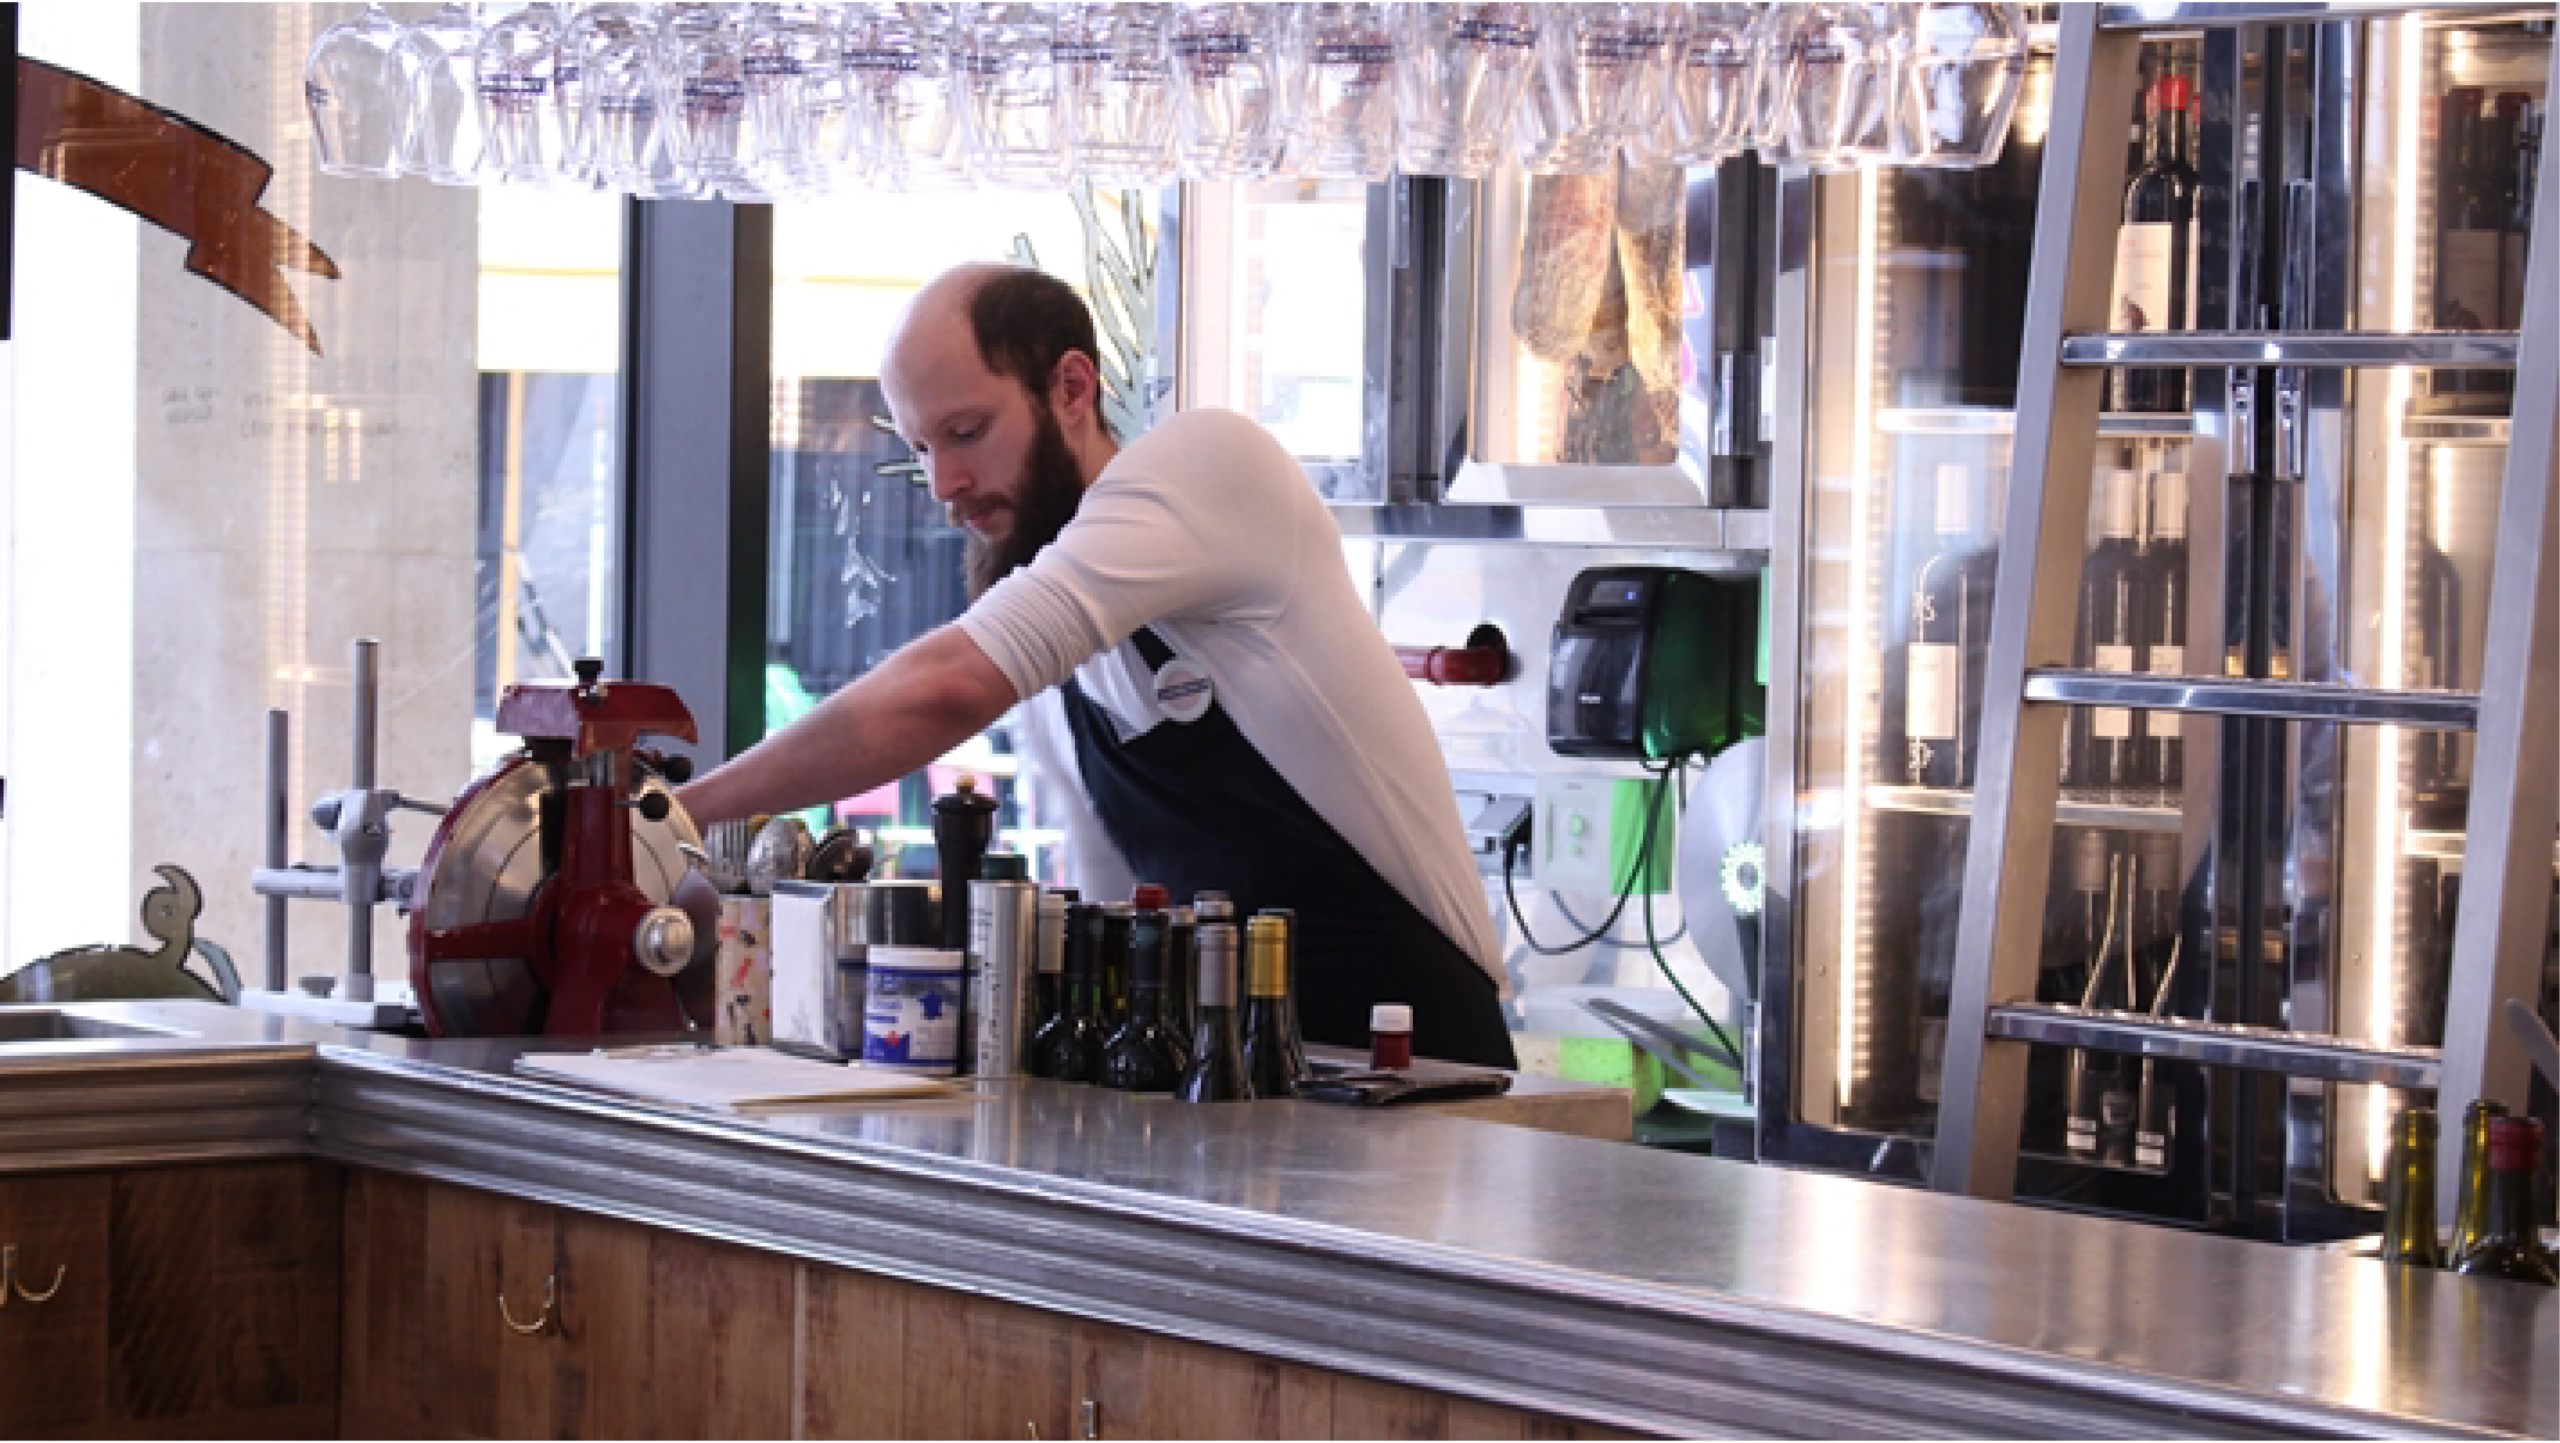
[[49, 1024]]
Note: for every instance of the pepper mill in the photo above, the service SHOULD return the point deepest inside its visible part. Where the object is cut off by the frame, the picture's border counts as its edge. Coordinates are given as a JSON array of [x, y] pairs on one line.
[[964, 823]]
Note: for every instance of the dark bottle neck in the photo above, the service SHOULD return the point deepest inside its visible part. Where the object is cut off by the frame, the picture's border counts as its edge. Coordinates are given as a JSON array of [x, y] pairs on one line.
[[2164, 139], [2509, 1215]]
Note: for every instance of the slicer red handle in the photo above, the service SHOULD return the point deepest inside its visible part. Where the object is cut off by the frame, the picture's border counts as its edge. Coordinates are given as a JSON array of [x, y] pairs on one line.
[[1455, 665]]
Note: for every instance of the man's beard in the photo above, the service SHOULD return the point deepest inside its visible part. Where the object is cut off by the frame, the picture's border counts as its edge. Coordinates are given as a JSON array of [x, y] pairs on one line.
[[1052, 484]]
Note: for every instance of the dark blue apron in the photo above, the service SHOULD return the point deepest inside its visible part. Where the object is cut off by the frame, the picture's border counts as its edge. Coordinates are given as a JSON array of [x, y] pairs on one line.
[[1194, 806]]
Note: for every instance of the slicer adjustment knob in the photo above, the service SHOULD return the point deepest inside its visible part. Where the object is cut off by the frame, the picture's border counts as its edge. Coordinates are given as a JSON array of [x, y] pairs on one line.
[[663, 942], [653, 805], [590, 671]]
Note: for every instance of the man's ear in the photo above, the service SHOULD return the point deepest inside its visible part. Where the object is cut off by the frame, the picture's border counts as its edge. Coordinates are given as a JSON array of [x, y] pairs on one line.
[[1075, 390]]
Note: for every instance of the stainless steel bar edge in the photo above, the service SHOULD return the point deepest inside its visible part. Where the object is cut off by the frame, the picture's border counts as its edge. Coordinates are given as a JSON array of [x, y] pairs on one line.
[[1441, 1318], [2515, 787], [127, 1109]]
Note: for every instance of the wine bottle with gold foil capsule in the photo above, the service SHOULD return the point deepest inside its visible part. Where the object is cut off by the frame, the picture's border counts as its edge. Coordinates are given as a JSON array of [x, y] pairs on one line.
[[2510, 1245], [2409, 1216], [1266, 1001], [2470, 1209], [1289, 1026]]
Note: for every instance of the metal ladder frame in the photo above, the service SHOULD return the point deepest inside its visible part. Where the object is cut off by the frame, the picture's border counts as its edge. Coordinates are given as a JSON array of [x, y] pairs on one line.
[[2027, 679]]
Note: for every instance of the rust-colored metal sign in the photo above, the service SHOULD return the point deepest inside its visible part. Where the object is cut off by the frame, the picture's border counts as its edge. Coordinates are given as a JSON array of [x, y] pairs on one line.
[[174, 173]]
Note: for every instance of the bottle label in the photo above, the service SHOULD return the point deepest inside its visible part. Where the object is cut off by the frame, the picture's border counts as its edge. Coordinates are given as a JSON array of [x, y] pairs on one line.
[[2142, 298], [2111, 723], [1933, 1057], [2168, 660], [2467, 283], [2080, 1134], [1932, 705], [2150, 1149]]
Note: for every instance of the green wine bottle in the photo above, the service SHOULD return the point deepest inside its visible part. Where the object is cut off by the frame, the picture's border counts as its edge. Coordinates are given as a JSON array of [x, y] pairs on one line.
[[2470, 1209], [1216, 1073], [2509, 1245], [2409, 1218]]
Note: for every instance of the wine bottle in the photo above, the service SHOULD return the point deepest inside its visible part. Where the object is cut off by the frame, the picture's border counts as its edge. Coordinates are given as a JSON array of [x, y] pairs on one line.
[[1216, 1073], [1267, 1060], [1113, 1001], [2440, 791], [2409, 1197], [1140, 1055], [1181, 964], [2470, 245], [1049, 986], [1948, 632], [2510, 1245], [1072, 1051], [2161, 754], [2471, 1201], [2099, 759], [2516, 236], [2155, 250], [1290, 1029]]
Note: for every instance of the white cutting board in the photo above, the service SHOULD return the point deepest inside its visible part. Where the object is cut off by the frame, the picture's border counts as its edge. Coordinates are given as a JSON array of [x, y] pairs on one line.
[[736, 1079]]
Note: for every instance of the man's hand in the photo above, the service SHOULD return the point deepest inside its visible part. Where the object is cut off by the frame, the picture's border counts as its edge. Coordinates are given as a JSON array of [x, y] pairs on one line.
[[932, 694]]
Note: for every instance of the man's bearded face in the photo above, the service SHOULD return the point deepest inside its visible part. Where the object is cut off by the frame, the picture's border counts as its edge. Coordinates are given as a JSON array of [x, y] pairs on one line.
[[1042, 501]]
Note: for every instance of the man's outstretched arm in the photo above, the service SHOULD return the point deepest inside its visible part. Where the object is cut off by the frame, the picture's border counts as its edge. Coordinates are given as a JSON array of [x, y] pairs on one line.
[[929, 696]]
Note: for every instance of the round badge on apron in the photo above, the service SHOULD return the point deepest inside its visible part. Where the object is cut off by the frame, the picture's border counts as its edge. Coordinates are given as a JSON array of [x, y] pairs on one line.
[[1183, 691]]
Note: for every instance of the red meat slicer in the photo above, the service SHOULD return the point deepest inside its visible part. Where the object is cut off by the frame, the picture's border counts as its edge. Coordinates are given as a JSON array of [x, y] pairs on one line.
[[528, 915]]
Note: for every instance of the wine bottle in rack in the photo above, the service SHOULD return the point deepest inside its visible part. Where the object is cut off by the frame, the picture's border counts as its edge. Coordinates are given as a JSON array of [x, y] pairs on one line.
[[2100, 761], [2155, 250], [1948, 628], [2440, 793], [2524, 166], [2162, 747], [2470, 245]]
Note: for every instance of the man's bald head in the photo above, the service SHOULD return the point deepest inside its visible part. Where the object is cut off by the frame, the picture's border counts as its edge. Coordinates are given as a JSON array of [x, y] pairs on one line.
[[1020, 321]]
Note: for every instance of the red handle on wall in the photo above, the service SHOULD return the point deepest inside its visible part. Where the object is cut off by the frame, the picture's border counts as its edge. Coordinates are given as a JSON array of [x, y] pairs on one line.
[[1484, 661]]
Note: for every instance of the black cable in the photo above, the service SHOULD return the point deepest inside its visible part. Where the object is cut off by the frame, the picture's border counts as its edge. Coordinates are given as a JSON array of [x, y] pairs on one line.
[[1644, 857], [1663, 964], [1557, 898]]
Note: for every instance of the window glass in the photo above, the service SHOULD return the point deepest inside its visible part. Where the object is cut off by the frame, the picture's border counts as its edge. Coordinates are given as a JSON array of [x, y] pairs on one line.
[[220, 475], [1275, 282]]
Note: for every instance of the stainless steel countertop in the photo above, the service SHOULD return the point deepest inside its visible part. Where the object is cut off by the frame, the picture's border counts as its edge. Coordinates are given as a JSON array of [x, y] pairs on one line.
[[1651, 1290]]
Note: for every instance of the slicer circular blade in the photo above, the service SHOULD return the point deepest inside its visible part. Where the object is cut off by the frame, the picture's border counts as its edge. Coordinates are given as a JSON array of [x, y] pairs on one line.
[[1719, 856], [484, 864]]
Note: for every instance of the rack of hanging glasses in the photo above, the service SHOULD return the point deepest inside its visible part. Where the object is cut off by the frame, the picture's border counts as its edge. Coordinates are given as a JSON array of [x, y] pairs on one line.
[[767, 101]]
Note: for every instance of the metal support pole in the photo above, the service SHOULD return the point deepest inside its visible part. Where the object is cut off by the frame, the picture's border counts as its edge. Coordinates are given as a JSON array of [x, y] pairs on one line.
[[279, 820], [361, 842]]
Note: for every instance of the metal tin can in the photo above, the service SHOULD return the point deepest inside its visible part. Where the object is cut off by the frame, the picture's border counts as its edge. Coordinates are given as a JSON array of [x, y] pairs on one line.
[[1003, 992]]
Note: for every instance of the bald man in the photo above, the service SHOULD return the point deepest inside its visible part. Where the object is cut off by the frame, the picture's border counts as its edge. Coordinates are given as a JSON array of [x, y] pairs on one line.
[[1176, 618]]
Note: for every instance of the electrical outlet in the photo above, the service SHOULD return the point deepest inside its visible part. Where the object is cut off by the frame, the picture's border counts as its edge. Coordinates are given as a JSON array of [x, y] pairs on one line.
[[1590, 830]]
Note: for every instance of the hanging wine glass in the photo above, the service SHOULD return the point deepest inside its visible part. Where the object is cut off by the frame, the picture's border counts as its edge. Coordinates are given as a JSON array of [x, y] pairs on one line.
[[359, 100], [1230, 69], [1598, 67], [1707, 101], [1117, 78], [616, 49], [1960, 83], [439, 59], [906, 121], [1773, 81], [1846, 64], [519, 108], [1459, 72], [706, 82], [1347, 99], [785, 50], [1013, 120]]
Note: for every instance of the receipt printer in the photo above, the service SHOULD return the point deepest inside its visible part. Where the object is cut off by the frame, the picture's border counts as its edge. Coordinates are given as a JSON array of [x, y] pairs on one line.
[[1655, 662]]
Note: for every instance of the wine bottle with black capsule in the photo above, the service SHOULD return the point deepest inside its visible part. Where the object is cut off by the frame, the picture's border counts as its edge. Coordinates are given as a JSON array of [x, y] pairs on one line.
[[2100, 761], [1216, 1072], [1140, 1056], [2160, 753], [1072, 1051]]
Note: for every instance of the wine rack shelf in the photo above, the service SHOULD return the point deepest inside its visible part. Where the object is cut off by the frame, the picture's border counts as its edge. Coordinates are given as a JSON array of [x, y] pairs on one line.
[[2447, 846], [1958, 802], [1985, 421]]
